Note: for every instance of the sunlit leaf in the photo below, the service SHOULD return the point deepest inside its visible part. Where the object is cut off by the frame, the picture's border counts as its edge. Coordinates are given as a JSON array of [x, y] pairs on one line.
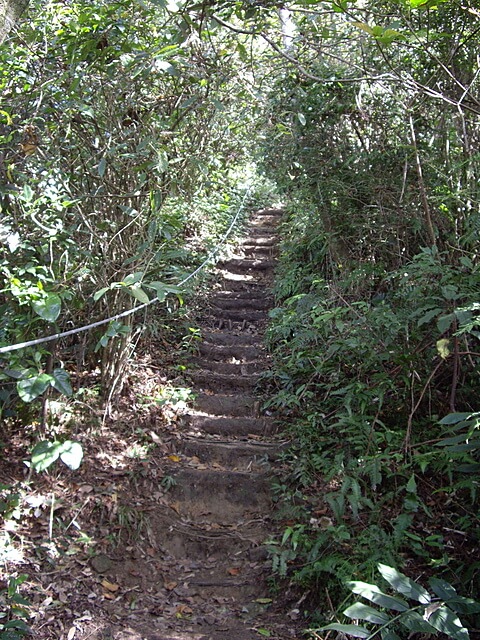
[[404, 585], [71, 454], [44, 454], [374, 594], [33, 387], [360, 611]]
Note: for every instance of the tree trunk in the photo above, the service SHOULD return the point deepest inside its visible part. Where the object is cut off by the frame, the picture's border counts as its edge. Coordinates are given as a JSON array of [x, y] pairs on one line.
[[10, 12]]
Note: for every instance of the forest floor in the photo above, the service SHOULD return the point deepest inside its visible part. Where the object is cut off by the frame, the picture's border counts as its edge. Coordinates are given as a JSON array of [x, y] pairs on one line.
[[160, 533]]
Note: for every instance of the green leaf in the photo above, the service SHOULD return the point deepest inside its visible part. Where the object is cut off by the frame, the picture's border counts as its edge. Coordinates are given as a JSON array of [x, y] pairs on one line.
[[454, 418], [429, 316], [404, 585], [133, 278], [48, 307], [102, 165], [413, 621], [138, 293], [442, 589], [360, 611], [98, 294], [301, 119], [448, 594], [412, 485], [264, 632], [44, 454], [33, 387], [350, 629], [445, 322], [71, 454], [445, 620], [374, 594], [61, 381], [27, 193], [387, 634]]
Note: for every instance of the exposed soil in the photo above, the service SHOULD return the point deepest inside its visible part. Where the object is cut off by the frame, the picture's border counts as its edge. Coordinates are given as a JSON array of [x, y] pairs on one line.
[[176, 549]]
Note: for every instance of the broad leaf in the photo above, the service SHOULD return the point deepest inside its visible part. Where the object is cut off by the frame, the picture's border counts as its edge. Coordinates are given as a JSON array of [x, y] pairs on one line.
[[350, 629], [61, 382], [387, 634], [446, 621], [71, 454], [33, 387], [48, 307], [448, 594], [413, 621], [454, 418], [44, 454], [360, 611], [374, 594], [139, 294], [404, 585]]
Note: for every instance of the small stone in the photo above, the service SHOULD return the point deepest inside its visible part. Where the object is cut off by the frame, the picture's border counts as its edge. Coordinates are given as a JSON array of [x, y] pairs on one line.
[[101, 563]]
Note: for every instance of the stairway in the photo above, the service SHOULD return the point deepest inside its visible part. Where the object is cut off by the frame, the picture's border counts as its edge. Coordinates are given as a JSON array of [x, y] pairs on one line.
[[214, 518]]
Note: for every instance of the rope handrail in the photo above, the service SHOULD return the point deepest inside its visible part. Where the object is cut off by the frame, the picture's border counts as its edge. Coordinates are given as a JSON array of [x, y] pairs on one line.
[[129, 312]]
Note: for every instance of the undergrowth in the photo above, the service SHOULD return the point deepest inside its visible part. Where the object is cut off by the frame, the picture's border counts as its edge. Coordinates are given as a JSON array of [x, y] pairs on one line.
[[375, 372]]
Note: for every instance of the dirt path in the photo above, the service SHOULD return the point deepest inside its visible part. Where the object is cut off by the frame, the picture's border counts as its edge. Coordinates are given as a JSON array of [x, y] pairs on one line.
[[207, 558]]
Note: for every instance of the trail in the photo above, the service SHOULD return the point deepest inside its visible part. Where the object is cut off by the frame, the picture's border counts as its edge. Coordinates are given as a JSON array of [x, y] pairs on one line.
[[209, 527]]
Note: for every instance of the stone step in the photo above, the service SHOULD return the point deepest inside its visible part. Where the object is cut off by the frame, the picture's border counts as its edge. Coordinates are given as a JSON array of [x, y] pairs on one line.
[[223, 405], [236, 426], [242, 353], [241, 314], [258, 252], [260, 241], [236, 455], [243, 301], [228, 338], [220, 382], [262, 230], [230, 368], [220, 496], [244, 284], [245, 265]]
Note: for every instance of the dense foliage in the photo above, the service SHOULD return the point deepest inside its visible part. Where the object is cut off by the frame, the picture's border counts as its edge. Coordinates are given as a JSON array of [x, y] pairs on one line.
[[121, 166], [373, 134]]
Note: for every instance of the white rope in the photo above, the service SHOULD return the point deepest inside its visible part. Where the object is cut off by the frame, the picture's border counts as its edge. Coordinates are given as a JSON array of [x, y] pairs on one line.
[[124, 314]]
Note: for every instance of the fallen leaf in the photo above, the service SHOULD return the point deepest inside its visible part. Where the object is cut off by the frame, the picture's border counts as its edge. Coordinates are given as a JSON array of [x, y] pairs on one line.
[[264, 600], [71, 633], [170, 586], [108, 595], [110, 586], [174, 458], [234, 571], [183, 610], [175, 506]]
